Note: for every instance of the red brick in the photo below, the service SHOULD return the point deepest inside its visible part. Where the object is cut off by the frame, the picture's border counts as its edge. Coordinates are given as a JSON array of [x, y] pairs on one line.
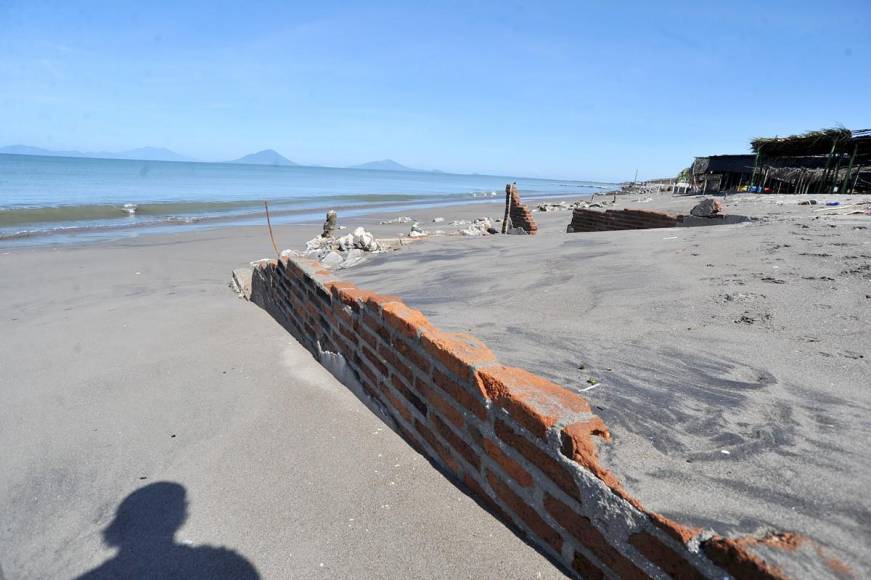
[[353, 296], [365, 370], [378, 301], [478, 490], [459, 394], [456, 442], [508, 465], [591, 538], [373, 358], [663, 556], [442, 451], [579, 446], [548, 465], [732, 555], [441, 404], [411, 355], [348, 334], [586, 568], [397, 405], [404, 320], [409, 395], [525, 512], [532, 401], [388, 355], [682, 534], [458, 352]]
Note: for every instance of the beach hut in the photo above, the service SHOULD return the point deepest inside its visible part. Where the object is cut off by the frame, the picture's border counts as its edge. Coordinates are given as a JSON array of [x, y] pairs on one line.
[[824, 161], [721, 172]]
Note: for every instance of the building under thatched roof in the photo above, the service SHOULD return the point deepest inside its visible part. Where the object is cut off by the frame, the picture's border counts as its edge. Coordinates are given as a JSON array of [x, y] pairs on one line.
[[821, 161]]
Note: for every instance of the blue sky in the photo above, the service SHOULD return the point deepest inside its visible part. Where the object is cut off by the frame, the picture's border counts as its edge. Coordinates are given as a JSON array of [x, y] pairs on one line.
[[562, 89]]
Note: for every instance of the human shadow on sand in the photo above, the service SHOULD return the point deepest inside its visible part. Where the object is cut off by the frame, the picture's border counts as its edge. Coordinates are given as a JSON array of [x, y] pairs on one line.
[[144, 530]]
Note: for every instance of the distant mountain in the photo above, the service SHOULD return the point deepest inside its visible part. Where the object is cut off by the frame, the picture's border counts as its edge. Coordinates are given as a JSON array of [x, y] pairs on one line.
[[28, 150], [140, 154], [265, 157], [383, 165]]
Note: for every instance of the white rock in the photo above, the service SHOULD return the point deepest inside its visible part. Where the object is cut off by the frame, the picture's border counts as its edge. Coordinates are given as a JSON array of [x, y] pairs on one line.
[[332, 260], [438, 220]]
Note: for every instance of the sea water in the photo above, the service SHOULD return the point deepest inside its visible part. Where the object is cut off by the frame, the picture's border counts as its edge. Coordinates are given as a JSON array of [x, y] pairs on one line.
[[63, 199]]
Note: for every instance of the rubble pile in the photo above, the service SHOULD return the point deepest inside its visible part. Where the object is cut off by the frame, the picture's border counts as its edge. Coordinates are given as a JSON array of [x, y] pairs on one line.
[[708, 208], [479, 227], [339, 253]]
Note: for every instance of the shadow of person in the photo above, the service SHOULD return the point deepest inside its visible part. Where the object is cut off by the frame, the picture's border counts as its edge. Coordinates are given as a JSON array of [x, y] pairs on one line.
[[144, 532]]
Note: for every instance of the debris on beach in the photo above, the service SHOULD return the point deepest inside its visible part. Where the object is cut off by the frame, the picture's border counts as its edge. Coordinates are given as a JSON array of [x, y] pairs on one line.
[[517, 214], [338, 253], [397, 220], [360, 239], [438, 220], [565, 206], [707, 208], [329, 224], [480, 227], [417, 231]]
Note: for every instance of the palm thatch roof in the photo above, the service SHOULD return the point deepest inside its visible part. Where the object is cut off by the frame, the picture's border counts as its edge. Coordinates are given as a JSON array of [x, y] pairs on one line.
[[812, 142]]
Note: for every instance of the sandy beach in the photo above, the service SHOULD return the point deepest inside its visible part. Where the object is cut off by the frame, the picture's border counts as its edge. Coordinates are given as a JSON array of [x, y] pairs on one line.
[[128, 363], [730, 363]]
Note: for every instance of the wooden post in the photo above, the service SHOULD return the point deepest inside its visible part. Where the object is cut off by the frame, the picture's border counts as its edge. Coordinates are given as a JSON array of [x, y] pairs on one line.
[[509, 187], [849, 169], [835, 174]]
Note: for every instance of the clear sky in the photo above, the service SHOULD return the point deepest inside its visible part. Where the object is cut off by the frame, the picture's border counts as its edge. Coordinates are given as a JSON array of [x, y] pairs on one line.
[[576, 89]]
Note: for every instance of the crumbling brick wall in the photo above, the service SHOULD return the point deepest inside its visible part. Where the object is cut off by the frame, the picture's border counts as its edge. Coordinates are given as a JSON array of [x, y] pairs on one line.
[[591, 220], [520, 444], [521, 215]]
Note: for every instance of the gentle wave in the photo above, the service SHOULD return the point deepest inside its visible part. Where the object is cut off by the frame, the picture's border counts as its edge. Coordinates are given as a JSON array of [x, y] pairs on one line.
[[17, 216]]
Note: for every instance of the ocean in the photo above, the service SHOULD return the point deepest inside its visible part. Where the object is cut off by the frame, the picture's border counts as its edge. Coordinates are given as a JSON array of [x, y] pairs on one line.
[[57, 200]]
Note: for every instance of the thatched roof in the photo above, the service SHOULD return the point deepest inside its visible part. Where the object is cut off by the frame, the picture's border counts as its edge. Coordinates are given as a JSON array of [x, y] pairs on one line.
[[812, 143]]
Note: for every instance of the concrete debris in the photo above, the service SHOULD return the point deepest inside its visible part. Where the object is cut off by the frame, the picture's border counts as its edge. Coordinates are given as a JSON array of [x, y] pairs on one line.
[[339, 253], [397, 220], [241, 283], [479, 227], [565, 206], [417, 231], [332, 259], [359, 239], [708, 208]]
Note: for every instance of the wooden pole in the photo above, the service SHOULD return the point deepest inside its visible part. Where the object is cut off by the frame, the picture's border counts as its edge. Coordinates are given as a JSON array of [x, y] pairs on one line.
[[849, 169], [508, 188], [269, 225]]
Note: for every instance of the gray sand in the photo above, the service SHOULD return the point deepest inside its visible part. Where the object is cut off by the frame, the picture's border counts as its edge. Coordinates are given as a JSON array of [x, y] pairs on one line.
[[733, 360], [128, 363], [101, 366]]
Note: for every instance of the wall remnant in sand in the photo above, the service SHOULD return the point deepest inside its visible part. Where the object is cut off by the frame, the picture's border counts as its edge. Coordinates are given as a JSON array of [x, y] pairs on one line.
[[523, 446], [590, 220], [520, 214]]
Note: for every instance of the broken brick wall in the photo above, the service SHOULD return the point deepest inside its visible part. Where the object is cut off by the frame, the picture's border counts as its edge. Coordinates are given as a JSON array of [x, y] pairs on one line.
[[590, 220], [521, 445], [521, 215]]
